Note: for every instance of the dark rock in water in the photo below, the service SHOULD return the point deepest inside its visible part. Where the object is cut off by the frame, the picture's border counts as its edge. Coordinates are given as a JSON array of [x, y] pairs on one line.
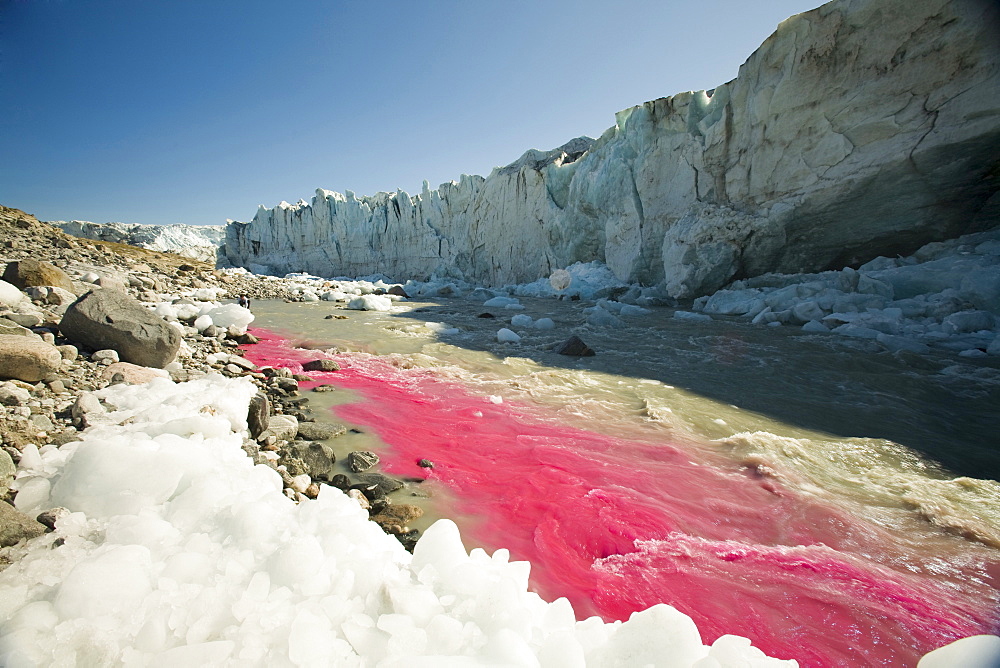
[[33, 273], [574, 346], [341, 481], [361, 461], [259, 415], [324, 388], [398, 291], [106, 318], [317, 460], [328, 317], [319, 431], [485, 315], [301, 377], [426, 463], [15, 526], [321, 365], [384, 483]]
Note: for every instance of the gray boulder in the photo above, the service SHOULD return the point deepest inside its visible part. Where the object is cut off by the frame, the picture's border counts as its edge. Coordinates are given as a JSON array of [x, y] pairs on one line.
[[27, 359], [319, 431], [258, 415], [105, 318], [15, 526], [283, 427], [317, 460], [361, 461]]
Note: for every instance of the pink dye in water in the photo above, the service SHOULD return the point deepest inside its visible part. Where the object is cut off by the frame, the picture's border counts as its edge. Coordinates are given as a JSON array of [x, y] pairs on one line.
[[618, 525]]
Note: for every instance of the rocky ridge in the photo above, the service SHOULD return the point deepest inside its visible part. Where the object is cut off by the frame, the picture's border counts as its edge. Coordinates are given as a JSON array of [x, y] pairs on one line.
[[49, 370]]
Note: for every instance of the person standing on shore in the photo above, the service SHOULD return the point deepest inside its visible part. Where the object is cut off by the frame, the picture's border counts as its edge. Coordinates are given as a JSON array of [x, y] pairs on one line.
[[244, 301]]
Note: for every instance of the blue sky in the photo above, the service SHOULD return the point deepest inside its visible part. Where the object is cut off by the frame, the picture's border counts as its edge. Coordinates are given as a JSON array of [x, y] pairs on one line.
[[197, 111]]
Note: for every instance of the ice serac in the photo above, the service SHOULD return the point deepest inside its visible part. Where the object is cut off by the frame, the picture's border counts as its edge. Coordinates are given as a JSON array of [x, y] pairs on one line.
[[858, 129], [200, 242]]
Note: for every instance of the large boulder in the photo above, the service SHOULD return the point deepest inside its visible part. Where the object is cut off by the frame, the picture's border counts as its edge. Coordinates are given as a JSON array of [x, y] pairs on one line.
[[106, 318], [29, 273], [28, 359]]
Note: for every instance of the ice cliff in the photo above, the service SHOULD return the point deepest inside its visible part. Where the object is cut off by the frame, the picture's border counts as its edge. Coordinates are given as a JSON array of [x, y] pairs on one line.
[[200, 242], [858, 129]]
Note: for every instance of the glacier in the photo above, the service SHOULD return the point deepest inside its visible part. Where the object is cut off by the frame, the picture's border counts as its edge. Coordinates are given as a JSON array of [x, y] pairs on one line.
[[859, 129], [200, 242]]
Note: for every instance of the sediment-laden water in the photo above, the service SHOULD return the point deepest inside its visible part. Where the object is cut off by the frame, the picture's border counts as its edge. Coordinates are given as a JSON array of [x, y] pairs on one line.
[[831, 502]]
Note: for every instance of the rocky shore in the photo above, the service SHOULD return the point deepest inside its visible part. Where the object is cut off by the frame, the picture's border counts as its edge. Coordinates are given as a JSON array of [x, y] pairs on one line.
[[77, 316]]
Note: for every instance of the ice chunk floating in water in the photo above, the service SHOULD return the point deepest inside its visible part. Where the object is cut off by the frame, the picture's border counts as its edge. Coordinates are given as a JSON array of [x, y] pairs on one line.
[[180, 552]]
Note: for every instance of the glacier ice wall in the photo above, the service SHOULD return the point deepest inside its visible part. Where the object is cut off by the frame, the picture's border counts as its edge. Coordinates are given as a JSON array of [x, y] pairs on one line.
[[201, 242], [860, 128]]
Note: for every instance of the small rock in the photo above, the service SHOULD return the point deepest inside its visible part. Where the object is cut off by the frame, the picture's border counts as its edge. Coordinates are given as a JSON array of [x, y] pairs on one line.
[[574, 346], [426, 463], [68, 352], [258, 415], [398, 291], [316, 460], [324, 388], [282, 427], [360, 498], [12, 395], [320, 431], [321, 365], [133, 374], [361, 461], [398, 514], [341, 482], [104, 357], [384, 483], [287, 384]]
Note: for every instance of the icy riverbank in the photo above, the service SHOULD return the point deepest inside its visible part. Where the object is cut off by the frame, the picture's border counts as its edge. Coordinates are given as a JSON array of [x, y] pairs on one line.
[[179, 551]]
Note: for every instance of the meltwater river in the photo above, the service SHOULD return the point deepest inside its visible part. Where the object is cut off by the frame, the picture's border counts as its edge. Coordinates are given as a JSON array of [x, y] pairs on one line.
[[833, 503]]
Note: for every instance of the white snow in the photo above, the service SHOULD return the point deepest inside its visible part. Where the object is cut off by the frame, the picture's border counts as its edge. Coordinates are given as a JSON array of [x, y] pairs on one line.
[[178, 551]]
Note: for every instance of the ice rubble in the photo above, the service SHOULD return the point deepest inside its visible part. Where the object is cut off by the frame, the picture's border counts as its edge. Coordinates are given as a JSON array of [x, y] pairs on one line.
[[944, 296], [179, 551]]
